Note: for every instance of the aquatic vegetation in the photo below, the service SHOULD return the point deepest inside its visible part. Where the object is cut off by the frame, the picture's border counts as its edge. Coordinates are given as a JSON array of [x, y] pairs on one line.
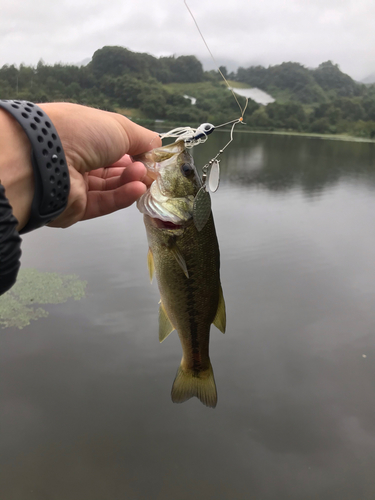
[[19, 306]]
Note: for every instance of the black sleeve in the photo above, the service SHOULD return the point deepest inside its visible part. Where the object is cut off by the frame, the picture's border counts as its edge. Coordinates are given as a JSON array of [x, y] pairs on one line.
[[10, 245]]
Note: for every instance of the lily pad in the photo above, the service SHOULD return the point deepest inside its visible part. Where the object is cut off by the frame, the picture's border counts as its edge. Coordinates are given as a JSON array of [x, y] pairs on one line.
[[19, 306]]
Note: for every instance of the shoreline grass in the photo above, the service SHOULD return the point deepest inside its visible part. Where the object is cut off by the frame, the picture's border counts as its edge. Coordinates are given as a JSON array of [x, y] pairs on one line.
[[334, 137]]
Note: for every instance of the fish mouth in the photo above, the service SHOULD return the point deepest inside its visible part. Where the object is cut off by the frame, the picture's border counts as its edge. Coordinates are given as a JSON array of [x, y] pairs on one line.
[[165, 224], [171, 213]]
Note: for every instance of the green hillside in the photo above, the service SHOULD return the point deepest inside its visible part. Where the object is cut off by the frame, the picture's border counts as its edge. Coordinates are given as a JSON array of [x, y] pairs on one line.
[[146, 88]]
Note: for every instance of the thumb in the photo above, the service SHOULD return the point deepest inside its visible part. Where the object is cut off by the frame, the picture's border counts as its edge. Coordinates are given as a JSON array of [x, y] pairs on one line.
[[140, 139]]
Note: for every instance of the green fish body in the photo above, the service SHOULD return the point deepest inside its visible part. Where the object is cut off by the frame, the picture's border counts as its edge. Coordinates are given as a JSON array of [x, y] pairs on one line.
[[186, 263]]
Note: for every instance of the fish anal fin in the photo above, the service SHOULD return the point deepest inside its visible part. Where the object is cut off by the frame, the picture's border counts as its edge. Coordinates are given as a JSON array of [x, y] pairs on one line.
[[220, 320], [165, 326], [189, 384], [179, 258], [150, 264]]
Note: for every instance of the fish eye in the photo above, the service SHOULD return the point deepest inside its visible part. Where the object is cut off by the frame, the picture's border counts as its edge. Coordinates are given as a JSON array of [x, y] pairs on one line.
[[186, 169]]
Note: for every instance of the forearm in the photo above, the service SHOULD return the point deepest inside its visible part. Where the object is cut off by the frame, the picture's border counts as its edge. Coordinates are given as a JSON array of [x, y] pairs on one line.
[[16, 174]]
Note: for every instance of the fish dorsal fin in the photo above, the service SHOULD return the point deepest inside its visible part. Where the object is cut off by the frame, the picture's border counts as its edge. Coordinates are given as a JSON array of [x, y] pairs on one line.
[[179, 258], [220, 318], [165, 326], [150, 264]]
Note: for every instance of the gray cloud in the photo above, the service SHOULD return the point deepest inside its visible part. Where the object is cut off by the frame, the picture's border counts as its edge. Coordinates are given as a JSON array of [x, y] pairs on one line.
[[239, 32]]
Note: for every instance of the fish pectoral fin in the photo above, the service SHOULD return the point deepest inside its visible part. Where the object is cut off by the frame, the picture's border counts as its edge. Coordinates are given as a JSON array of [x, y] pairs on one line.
[[220, 320], [165, 326], [150, 264], [179, 258]]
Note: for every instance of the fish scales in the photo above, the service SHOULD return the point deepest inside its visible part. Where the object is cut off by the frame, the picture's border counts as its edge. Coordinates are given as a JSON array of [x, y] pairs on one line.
[[186, 263], [191, 303]]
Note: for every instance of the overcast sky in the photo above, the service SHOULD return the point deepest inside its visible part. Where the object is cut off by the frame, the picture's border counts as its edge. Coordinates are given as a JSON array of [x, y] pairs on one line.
[[238, 32]]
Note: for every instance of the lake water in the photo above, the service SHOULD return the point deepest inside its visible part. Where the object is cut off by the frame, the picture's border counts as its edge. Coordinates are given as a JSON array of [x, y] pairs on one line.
[[85, 393]]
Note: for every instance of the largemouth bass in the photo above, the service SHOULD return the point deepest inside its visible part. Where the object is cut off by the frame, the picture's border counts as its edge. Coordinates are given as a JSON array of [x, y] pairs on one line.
[[186, 263]]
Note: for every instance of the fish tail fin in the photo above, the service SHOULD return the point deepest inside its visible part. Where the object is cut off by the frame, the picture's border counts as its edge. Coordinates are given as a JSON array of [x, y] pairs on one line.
[[189, 383]]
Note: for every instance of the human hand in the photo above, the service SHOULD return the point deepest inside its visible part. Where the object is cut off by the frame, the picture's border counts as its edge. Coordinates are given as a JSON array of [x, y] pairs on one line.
[[103, 177]]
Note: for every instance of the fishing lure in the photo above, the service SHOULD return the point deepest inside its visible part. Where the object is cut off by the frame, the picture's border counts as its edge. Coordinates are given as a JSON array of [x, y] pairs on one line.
[[194, 136], [210, 171]]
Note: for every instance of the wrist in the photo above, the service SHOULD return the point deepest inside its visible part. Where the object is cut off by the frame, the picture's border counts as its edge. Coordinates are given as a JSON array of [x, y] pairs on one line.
[[16, 173], [51, 174]]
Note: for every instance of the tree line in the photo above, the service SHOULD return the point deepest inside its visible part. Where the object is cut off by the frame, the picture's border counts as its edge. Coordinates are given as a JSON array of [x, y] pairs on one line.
[[321, 100]]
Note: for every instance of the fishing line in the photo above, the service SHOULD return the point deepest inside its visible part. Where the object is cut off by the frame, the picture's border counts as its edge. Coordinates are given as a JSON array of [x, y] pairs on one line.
[[214, 60], [193, 136]]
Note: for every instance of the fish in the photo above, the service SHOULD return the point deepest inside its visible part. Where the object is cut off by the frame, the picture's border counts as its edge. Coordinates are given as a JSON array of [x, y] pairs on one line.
[[186, 263]]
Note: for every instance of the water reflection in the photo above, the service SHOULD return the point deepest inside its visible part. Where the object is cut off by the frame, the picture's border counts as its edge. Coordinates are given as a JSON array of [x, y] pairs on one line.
[[281, 163]]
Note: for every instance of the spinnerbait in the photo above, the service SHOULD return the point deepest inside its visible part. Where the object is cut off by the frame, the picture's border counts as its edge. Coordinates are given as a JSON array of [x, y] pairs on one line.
[[192, 137], [210, 171]]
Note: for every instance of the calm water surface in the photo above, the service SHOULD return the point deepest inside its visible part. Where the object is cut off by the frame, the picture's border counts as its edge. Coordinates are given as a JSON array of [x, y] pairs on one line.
[[85, 407]]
